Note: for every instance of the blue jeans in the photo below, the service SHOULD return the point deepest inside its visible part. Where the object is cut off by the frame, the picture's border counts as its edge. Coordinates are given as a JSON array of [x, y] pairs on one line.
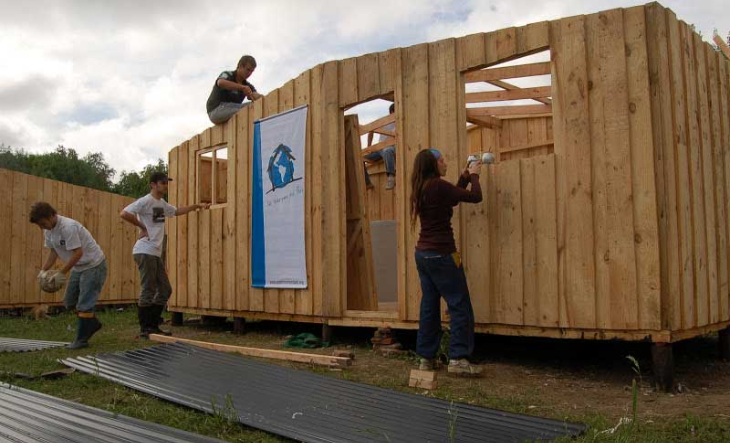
[[84, 288], [388, 156], [442, 276]]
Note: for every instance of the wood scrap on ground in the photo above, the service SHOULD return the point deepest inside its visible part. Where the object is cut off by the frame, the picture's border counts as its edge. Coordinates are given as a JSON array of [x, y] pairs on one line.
[[300, 357]]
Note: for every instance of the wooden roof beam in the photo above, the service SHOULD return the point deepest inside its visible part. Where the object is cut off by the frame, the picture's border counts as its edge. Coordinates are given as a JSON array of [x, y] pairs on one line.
[[496, 111], [379, 123], [484, 121], [511, 87], [528, 70], [514, 94]]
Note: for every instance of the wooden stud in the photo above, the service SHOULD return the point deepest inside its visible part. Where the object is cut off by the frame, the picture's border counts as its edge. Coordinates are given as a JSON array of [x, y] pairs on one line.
[[302, 94], [193, 299], [368, 77], [572, 135], [271, 296]]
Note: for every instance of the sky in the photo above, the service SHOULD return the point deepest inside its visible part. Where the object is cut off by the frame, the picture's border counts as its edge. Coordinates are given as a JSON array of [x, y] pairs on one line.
[[130, 78]]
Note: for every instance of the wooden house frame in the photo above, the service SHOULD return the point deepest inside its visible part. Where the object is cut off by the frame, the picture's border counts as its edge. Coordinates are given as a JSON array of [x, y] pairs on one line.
[[604, 217]]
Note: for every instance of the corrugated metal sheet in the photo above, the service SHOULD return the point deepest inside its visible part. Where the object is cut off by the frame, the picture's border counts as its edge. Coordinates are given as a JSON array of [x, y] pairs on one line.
[[23, 345], [307, 406], [27, 416]]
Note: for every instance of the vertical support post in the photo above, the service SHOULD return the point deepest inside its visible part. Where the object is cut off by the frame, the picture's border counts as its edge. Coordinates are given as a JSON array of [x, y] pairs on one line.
[[326, 333], [239, 325], [662, 357], [724, 344], [177, 319]]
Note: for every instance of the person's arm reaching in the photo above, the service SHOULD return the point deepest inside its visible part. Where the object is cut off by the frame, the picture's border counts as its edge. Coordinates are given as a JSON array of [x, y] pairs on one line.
[[185, 209]]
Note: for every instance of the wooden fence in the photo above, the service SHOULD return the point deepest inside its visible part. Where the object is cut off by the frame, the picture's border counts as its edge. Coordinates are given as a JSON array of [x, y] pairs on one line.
[[98, 211]]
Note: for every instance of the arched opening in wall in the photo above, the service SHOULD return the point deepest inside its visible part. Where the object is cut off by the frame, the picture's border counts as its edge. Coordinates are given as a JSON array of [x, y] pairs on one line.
[[509, 108], [371, 206]]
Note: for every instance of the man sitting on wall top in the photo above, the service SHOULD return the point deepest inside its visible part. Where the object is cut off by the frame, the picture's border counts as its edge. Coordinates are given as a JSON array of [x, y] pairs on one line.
[[230, 90]]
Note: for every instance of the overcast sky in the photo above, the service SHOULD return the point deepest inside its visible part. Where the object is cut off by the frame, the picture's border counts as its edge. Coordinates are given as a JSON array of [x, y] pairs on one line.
[[130, 78]]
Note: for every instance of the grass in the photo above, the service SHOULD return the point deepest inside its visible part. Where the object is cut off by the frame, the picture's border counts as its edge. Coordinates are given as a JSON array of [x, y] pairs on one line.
[[120, 331]]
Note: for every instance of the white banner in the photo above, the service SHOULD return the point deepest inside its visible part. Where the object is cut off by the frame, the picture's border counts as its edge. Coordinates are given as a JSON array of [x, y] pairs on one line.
[[278, 256]]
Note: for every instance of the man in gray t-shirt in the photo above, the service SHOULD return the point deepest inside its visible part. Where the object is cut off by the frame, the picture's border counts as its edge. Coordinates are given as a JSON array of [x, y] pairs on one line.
[[70, 241], [148, 214]]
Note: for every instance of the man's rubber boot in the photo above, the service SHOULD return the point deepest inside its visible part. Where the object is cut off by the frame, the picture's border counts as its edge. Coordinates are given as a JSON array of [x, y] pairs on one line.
[[87, 326], [155, 317], [143, 312]]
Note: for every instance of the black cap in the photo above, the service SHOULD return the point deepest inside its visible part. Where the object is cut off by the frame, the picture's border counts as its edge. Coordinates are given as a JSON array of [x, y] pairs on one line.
[[159, 177]]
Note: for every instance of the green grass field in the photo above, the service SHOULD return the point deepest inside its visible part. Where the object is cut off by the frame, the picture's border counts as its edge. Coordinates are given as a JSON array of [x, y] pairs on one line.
[[119, 333]]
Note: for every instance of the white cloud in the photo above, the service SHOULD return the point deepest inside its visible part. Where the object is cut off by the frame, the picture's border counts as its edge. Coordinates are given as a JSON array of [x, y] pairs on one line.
[[130, 79]]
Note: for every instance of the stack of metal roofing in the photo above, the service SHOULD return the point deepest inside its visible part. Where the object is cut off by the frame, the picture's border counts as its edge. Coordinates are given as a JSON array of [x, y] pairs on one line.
[[307, 406], [24, 345], [27, 416]]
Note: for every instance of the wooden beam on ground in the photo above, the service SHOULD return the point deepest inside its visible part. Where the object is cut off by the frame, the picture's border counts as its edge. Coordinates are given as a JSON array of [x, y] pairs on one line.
[[515, 71], [485, 121], [300, 357], [511, 87], [379, 123], [497, 111], [515, 94], [378, 146], [722, 45]]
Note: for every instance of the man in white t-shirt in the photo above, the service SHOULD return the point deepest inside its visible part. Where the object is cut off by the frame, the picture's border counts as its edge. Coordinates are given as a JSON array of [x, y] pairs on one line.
[[70, 241], [148, 214]]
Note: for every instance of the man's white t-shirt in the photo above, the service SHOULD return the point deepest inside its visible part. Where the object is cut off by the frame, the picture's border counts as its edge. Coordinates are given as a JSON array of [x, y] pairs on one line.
[[67, 235], [151, 212]]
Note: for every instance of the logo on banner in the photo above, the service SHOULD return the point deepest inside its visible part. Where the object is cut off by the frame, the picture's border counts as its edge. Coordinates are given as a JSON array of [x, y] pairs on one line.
[[281, 168]]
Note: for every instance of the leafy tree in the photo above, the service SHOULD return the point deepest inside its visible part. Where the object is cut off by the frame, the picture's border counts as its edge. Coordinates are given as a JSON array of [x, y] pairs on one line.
[[92, 170], [137, 184], [63, 164]]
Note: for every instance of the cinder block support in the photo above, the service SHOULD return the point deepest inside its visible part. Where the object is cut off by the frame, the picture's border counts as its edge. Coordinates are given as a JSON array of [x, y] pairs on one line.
[[239, 325], [724, 344], [177, 319], [326, 333], [662, 357]]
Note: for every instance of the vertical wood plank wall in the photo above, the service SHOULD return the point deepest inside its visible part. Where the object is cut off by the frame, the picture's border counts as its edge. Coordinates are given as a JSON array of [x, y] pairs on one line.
[[98, 211], [689, 101], [609, 215]]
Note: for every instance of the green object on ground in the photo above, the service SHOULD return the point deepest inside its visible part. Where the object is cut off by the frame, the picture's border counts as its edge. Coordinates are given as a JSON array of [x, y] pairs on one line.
[[304, 340]]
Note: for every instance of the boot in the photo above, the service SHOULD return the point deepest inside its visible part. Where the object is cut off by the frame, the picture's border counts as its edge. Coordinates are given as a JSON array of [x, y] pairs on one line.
[[153, 327], [87, 326], [428, 364], [462, 367], [143, 313]]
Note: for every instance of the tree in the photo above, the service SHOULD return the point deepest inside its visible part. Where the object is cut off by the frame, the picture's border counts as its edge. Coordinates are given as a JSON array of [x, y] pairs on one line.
[[137, 184], [63, 164]]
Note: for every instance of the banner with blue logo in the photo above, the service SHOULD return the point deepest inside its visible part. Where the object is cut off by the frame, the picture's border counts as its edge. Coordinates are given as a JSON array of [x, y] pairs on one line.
[[278, 255]]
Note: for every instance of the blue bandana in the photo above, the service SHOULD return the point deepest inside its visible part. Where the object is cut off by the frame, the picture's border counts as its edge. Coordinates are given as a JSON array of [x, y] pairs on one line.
[[435, 153]]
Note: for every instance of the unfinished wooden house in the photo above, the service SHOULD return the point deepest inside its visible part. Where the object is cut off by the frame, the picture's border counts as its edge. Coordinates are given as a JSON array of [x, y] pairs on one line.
[[605, 214]]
